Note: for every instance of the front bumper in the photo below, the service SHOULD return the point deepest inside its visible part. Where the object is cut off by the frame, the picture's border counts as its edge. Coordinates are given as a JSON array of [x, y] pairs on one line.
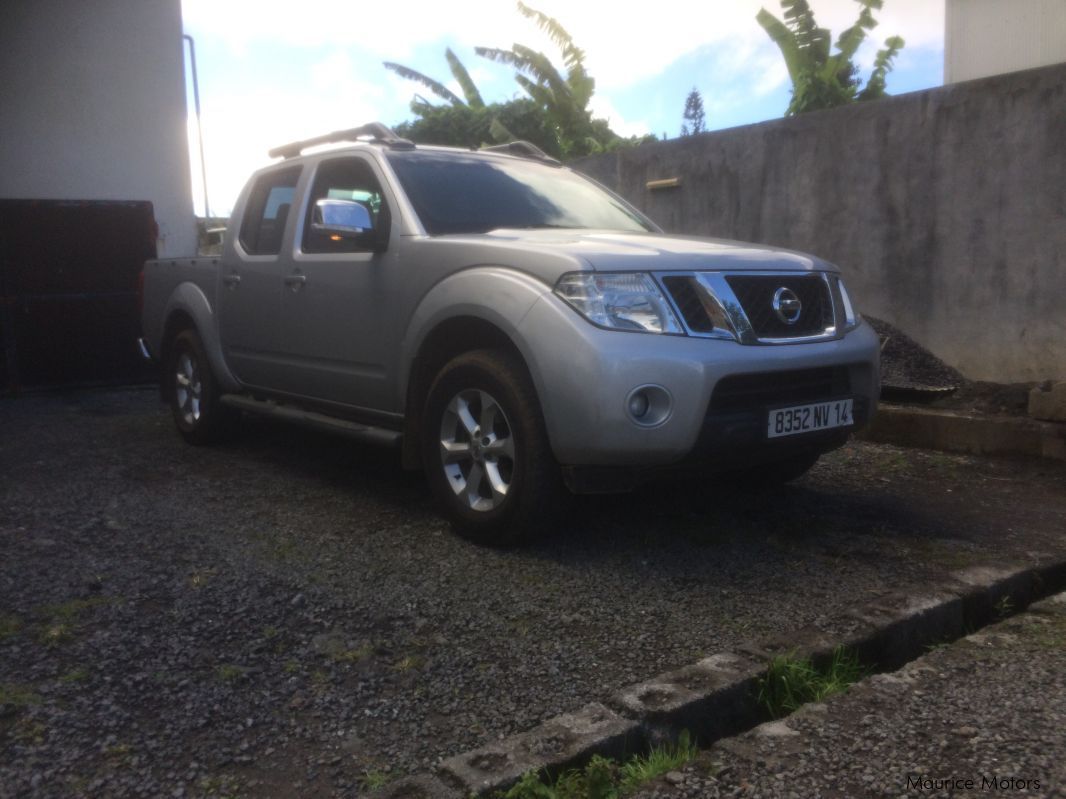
[[584, 376]]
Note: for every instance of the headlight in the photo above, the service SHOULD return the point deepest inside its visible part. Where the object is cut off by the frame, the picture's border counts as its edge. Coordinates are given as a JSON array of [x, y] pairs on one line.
[[621, 301], [851, 316]]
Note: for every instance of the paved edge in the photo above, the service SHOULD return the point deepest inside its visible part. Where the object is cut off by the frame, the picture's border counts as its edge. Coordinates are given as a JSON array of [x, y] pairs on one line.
[[715, 697], [958, 432]]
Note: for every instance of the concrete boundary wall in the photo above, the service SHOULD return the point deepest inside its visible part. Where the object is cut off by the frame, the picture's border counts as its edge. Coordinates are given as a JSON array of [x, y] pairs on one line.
[[945, 208]]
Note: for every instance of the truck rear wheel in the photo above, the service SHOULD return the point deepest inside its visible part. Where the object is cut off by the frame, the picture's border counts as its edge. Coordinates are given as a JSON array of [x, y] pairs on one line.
[[193, 392], [486, 450]]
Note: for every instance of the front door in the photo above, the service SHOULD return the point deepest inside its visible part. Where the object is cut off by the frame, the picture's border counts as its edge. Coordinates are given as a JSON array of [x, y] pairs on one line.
[[335, 324]]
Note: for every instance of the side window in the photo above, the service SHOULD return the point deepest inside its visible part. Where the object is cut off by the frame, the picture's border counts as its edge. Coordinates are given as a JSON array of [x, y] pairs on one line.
[[346, 179], [268, 210]]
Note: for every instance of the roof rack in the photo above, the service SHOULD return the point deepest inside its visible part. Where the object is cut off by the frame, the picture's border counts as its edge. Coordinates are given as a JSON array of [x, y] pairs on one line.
[[374, 130], [523, 149]]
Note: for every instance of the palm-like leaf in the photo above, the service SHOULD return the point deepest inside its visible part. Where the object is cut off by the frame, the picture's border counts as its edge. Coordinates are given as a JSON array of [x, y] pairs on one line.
[[875, 87], [434, 86], [462, 77]]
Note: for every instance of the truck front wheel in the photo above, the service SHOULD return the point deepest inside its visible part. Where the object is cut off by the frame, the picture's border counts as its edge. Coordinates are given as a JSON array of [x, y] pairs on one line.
[[486, 451], [193, 392]]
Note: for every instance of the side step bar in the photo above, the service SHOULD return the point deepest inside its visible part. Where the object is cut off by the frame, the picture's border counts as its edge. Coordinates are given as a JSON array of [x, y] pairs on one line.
[[369, 434]]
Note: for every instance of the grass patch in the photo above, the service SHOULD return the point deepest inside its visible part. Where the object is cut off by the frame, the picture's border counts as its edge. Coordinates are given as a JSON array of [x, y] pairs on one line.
[[372, 779], [353, 655], [18, 696], [408, 663], [228, 672], [604, 778], [75, 676], [10, 626], [59, 620], [790, 682]]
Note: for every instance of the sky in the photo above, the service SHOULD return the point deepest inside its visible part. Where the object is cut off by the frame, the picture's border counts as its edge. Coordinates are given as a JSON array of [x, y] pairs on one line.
[[275, 71]]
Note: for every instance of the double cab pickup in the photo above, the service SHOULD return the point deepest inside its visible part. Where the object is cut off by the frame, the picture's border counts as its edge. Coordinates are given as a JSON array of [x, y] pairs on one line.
[[507, 325]]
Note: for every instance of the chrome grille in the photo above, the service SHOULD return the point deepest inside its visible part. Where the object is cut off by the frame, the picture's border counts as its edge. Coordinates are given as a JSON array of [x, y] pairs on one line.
[[755, 293]]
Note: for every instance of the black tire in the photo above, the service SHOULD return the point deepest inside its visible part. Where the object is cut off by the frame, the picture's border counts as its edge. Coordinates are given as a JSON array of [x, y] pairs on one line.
[[193, 392], [494, 388]]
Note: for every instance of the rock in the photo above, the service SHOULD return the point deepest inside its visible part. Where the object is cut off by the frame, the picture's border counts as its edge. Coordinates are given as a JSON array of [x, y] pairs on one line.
[[1048, 402]]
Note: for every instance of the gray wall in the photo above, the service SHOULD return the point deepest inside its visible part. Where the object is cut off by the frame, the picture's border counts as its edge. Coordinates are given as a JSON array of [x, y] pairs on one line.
[[92, 107], [945, 208]]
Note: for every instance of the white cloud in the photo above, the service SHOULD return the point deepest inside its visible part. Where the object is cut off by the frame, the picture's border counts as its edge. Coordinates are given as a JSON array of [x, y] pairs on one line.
[[603, 109]]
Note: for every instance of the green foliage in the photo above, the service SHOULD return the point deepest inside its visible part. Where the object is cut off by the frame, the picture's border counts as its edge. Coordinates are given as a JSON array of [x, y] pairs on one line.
[[604, 778], [463, 126], [790, 682], [459, 72], [9, 626], [695, 120], [821, 78], [563, 98]]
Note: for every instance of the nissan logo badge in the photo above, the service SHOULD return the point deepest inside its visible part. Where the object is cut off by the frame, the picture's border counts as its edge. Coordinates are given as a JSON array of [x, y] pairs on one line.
[[787, 305]]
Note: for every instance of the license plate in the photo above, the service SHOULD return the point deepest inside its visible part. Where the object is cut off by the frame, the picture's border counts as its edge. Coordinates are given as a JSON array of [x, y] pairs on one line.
[[809, 418]]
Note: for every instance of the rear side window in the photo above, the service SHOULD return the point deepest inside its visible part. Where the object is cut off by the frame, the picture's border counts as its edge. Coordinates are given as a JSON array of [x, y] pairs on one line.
[[268, 210]]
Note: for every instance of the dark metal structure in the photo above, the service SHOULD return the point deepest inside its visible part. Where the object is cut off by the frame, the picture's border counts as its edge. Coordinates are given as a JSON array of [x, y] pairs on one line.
[[69, 310]]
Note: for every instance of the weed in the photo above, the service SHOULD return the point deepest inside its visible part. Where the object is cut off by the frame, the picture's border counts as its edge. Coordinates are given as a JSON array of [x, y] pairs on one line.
[[353, 655], [75, 676], [55, 634], [372, 779], [790, 682], [604, 778], [223, 786], [10, 626], [28, 733], [408, 663], [200, 578], [1004, 607], [658, 761], [118, 752], [69, 611], [228, 672], [17, 696]]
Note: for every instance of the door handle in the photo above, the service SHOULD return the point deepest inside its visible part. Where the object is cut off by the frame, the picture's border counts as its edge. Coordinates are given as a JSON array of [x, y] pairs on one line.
[[231, 280], [296, 279]]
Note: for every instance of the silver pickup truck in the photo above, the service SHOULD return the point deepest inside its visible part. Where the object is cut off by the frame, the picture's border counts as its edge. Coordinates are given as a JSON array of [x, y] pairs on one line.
[[508, 325]]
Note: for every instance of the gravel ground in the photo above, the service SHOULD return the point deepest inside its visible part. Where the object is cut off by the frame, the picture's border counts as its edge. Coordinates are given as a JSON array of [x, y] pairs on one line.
[[284, 615], [983, 716]]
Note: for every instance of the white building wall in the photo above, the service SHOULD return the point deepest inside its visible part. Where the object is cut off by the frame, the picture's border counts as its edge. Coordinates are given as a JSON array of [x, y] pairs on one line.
[[990, 37], [92, 107]]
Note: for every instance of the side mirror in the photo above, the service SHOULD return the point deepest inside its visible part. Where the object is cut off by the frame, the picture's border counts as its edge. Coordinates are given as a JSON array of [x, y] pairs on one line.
[[348, 219]]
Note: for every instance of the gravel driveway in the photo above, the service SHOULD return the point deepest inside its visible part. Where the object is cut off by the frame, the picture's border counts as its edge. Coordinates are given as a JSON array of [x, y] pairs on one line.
[[285, 615]]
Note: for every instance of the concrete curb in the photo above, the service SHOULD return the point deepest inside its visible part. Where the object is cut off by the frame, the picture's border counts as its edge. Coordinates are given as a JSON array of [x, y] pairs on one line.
[[949, 431], [715, 697]]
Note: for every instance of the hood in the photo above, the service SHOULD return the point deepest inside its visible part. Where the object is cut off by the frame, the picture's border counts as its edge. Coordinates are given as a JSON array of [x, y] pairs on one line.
[[611, 251]]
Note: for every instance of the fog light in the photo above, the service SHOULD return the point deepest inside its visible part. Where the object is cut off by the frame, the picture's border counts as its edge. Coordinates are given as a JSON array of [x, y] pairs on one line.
[[649, 406], [638, 404]]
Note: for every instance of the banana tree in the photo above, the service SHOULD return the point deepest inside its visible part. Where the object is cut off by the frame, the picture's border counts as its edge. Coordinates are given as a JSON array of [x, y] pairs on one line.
[[564, 97], [821, 78], [471, 95]]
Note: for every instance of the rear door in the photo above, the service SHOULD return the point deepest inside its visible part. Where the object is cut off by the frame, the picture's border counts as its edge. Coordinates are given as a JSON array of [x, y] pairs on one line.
[[251, 281]]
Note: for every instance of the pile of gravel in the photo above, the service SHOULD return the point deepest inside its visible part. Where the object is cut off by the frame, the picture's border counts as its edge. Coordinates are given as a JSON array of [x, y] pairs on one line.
[[908, 366]]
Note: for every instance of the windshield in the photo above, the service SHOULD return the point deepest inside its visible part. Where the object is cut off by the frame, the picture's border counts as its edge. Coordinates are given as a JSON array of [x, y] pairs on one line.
[[456, 193]]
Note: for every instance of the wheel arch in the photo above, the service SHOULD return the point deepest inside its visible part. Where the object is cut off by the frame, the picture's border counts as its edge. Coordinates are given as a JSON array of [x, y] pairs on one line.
[[189, 308], [448, 339]]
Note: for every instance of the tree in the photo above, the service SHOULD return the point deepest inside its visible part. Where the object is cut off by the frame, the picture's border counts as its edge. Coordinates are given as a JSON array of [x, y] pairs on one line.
[[459, 72], [821, 79], [496, 123], [694, 118], [564, 98]]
